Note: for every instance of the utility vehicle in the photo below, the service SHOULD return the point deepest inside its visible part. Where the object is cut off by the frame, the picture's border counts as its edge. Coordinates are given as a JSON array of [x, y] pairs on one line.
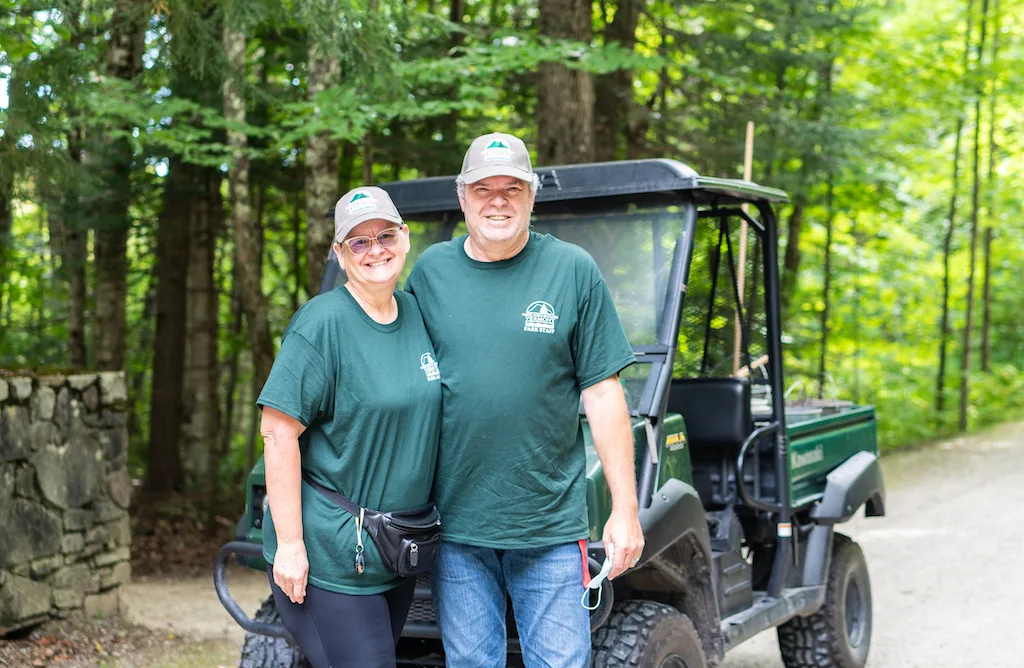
[[740, 491]]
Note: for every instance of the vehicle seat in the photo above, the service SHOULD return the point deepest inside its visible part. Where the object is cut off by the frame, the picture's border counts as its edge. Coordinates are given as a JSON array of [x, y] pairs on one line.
[[716, 411]]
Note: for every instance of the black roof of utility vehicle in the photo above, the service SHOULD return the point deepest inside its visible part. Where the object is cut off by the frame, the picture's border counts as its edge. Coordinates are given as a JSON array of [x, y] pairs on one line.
[[654, 181]]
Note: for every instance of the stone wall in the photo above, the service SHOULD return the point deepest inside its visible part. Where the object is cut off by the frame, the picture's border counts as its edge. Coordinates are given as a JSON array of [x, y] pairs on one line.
[[64, 492]]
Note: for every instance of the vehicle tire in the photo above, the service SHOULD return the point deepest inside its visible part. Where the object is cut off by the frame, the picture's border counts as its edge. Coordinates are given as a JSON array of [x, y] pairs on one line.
[[645, 634], [839, 634], [259, 651]]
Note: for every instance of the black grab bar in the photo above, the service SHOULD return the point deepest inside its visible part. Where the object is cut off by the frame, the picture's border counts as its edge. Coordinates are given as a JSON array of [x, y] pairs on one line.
[[230, 604]]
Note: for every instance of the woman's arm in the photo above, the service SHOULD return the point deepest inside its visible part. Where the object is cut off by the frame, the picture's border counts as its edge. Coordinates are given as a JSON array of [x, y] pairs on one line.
[[284, 493]]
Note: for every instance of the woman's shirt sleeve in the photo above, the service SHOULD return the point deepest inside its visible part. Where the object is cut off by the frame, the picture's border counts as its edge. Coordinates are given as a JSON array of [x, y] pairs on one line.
[[297, 385]]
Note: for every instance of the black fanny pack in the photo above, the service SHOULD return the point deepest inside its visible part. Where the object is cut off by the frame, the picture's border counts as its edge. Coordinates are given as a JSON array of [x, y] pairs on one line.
[[407, 540]]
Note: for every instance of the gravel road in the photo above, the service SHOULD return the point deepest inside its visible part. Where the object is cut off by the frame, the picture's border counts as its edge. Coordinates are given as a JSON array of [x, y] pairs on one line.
[[947, 566]]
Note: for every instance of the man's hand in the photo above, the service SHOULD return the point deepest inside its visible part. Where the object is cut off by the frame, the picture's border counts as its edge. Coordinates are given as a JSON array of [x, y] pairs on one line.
[[291, 569], [623, 531]]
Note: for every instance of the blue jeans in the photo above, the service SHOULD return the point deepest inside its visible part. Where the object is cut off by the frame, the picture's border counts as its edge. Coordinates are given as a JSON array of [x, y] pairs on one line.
[[545, 585]]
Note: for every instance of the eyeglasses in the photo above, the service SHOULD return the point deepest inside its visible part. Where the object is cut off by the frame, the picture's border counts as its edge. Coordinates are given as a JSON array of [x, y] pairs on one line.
[[385, 238]]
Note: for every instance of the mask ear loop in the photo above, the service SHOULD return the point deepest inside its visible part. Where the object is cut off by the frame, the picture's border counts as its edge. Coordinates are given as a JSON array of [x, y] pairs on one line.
[[598, 581]]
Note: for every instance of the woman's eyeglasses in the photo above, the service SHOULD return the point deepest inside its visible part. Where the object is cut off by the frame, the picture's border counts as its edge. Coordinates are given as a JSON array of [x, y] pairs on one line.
[[385, 238]]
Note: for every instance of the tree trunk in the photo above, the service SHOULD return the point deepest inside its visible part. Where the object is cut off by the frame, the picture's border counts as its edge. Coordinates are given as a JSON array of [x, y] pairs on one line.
[[446, 155], [247, 246], [827, 288], [986, 324], [228, 427], [297, 273], [75, 249], [124, 61], [137, 379], [254, 427], [965, 357], [947, 244], [986, 297], [74, 240], [791, 261], [349, 151], [202, 407], [7, 174], [614, 100], [321, 172], [565, 97], [6, 221], [163, 461], [368, 160]]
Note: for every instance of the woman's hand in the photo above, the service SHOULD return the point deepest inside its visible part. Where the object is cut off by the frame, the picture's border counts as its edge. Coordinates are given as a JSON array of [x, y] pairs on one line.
[[291, 569]]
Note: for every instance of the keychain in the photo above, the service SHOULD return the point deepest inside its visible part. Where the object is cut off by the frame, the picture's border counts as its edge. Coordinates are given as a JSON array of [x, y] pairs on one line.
[[360, 564]]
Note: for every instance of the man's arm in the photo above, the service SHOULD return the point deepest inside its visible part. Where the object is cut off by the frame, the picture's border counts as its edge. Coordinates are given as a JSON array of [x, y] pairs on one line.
[[605, 406]]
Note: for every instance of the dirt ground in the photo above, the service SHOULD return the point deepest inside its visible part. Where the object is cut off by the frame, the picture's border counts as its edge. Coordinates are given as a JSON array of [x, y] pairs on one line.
[[945, 566]]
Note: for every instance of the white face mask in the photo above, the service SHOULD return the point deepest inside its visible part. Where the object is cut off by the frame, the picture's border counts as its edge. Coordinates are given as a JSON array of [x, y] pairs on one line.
[[598, 580]]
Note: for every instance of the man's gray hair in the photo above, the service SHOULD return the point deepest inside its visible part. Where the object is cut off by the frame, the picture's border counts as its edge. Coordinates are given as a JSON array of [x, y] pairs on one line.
[[460, 185]]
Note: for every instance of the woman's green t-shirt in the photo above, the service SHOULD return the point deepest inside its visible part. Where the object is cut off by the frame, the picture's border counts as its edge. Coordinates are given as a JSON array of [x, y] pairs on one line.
[[370, 398]]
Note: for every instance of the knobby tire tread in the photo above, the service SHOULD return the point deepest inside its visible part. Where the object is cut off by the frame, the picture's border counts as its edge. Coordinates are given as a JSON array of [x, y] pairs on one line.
[[259, 651], [622, 640], [814, 641]]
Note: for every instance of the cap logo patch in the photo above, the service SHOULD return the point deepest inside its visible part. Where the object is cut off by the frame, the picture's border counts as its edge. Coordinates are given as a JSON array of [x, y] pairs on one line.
[[498, 150], [360, 202]]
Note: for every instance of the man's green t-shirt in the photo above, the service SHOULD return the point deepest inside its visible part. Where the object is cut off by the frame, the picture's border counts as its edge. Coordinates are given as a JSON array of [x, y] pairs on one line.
[[370, 398], [518, 340]]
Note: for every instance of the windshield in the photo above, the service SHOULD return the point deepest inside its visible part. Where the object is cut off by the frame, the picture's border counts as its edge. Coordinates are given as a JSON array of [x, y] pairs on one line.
[[634, 253]]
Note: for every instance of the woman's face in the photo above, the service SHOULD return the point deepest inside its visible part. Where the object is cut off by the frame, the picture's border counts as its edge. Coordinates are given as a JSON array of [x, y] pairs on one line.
[[379, 265]]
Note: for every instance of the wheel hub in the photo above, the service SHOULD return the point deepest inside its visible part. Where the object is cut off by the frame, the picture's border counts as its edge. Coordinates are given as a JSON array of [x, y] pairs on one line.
[[856, 616], [672, 661]]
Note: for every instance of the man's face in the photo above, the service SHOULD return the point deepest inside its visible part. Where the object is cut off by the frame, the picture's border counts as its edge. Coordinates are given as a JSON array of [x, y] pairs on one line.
[[497, 209]]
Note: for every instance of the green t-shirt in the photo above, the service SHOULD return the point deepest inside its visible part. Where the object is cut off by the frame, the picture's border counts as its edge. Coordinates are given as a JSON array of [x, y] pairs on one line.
[[370, 398], [518, 340]]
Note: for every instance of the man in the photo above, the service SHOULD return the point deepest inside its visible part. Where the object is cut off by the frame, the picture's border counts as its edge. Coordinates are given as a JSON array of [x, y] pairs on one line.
[[523, 325]]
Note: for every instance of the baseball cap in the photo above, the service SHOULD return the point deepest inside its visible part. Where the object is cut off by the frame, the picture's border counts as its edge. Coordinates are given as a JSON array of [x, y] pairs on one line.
[[496, 154], [360, 205]]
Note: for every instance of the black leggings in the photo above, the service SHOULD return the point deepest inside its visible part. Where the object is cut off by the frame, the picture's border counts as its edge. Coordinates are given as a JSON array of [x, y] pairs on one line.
[[343, 630]]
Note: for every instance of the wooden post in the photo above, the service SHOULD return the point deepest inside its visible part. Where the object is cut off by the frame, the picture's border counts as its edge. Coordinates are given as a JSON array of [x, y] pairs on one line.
[[741, 277]]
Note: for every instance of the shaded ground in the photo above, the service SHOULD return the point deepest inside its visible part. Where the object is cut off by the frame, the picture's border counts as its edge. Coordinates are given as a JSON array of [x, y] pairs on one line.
[[115, 645], [945, 566]]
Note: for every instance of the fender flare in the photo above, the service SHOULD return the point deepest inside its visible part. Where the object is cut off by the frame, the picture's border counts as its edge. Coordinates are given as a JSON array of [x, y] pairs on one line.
[[675, 510], [854, 483]]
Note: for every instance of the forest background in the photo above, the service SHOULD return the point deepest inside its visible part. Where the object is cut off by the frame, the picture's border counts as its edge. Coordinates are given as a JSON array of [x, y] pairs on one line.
[[165, 168]]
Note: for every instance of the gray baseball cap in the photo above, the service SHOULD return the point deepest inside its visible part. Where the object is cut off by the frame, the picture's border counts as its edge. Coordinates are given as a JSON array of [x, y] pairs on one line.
[[360, 205], [496, 154]]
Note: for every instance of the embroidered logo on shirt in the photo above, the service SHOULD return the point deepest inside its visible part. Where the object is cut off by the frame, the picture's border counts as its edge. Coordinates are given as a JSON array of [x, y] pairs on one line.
[[429, 367], [540, 317]]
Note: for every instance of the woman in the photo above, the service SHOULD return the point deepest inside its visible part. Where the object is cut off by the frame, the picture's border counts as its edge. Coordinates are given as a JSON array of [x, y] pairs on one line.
[[354, 400]]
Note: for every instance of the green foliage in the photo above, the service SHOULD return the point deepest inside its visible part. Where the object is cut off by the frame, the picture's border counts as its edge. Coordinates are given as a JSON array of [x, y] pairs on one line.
[[865, 93]]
